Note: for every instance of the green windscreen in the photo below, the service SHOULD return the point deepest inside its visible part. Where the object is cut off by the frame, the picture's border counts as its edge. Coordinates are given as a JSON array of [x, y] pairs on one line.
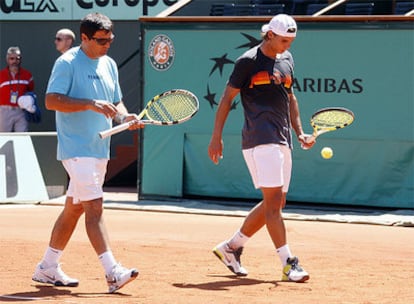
[[366, 67]]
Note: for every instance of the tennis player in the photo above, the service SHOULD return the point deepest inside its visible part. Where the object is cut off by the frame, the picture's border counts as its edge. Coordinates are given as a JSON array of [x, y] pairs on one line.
[[84, 91], [263, 77]]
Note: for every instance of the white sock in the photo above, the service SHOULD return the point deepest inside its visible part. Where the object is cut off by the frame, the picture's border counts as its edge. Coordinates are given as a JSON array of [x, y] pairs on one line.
[[51, 257], [284, 254], [238, 240], [108, 261]]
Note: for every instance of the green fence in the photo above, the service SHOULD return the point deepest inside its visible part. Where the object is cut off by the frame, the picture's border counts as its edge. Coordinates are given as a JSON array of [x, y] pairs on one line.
[[364, 66]]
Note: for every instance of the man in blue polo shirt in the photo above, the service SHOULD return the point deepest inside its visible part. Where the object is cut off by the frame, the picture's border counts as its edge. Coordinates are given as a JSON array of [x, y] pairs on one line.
[[84, 91]]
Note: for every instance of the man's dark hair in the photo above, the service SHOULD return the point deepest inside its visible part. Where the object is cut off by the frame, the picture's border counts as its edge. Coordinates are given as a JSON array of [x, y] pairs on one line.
[[94, 22]]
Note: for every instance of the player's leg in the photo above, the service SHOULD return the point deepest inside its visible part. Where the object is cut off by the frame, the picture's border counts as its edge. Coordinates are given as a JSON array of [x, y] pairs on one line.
[[91, 196], [270, 167], [49, 270], [65, 224], [229, 251], [274, 200], [116, 275], [254, 221]]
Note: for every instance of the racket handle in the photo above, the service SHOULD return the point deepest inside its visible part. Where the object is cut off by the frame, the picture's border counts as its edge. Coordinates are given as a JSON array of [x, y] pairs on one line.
[[312, 138], [115, 130]]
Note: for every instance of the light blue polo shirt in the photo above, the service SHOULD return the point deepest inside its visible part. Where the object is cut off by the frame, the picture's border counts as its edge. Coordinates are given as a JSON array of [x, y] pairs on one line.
[[77, 76]]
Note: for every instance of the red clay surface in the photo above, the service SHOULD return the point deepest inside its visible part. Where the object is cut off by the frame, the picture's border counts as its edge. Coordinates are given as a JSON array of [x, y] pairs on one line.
[[348, 263]]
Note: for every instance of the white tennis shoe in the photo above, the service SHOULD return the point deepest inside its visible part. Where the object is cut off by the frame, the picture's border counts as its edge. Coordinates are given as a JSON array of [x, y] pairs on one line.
[[119, 277], [230, 258], [292, 272], [53, 275]]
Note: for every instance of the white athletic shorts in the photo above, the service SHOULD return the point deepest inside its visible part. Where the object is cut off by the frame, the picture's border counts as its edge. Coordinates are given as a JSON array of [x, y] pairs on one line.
[[87, 176], [269, 165]]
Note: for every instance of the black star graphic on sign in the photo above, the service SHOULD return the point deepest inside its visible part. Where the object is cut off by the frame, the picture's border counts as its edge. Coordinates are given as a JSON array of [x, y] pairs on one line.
[[252, 42], [220, 62], [234, 105], [210, 97]]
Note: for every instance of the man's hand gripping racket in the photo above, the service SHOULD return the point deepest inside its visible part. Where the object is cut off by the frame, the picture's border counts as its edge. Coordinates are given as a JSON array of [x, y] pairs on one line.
[[329, 119], [169, 108]]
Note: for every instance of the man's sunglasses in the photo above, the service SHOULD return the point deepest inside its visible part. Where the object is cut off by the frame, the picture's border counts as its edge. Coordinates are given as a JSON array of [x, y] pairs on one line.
[[104, 41]]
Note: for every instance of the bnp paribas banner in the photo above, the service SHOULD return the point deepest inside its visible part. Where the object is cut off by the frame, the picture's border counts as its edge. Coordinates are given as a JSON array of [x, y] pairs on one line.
[[77, 9], [366, 68]]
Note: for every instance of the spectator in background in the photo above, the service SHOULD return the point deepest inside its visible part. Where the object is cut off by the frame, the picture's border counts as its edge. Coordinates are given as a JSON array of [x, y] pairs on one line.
[[64, 40], [14, 83]]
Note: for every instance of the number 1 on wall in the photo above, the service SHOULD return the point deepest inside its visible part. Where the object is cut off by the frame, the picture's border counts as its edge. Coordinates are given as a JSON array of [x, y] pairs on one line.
[[8, 173]]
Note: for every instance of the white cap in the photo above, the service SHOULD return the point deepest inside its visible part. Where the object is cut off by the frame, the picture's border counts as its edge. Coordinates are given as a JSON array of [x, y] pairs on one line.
[[282, 25], [26, 102], [14, 50]]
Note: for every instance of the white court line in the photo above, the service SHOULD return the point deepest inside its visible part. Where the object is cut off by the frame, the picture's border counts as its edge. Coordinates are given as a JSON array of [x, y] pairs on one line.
[[21, 298], [16, 206]]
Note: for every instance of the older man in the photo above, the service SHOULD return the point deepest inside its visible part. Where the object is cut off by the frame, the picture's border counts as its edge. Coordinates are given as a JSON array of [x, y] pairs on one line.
[[64, 40], [14, 82], [84, 92]]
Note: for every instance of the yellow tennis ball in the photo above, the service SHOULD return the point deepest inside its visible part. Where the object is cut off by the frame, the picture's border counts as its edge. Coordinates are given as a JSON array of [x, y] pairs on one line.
[[326, 152]]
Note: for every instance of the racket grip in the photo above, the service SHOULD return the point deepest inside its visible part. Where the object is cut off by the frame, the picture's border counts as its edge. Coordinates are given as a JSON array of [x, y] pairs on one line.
[[115, 130], [312, 138]]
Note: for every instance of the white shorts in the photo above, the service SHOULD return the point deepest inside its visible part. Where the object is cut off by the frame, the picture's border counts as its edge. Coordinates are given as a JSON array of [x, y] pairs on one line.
[[269, 165], [87, 176]]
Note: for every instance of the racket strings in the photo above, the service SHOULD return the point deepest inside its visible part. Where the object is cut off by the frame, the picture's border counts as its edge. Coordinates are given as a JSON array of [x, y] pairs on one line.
[[332, 119], [172, 107]]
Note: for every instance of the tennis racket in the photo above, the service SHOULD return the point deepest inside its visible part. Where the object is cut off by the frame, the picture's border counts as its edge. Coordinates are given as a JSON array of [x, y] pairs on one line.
[[330, 119], [169, 108]]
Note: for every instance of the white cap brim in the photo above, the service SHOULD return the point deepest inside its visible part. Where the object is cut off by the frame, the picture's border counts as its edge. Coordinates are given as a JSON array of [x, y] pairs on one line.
[[282, 25]]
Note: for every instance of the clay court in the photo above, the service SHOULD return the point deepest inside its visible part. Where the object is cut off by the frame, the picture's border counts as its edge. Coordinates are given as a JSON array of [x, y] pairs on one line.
[[348, 263]]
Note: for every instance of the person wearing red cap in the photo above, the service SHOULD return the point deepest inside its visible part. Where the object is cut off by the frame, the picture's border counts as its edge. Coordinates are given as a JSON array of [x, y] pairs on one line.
[[263, 77]]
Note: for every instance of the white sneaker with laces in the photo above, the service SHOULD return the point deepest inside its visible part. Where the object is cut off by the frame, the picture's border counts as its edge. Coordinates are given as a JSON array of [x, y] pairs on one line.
[[230, 258], [53, 275], [119, 277], [293, 272]]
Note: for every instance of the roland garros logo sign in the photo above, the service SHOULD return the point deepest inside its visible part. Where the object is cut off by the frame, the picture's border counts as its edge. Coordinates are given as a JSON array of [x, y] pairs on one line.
[[161, 52]]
